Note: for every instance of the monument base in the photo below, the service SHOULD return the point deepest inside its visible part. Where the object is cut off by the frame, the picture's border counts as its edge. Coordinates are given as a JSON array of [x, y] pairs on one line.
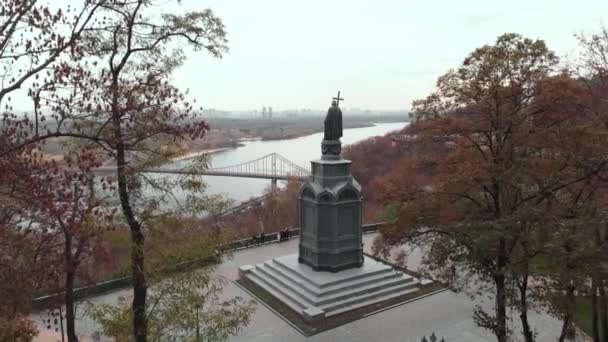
[[331, 268], [330, 217], [316, 295], [331, 149]]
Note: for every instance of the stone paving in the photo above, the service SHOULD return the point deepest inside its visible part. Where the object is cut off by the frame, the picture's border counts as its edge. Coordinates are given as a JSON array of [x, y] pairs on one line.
[[448, 314]]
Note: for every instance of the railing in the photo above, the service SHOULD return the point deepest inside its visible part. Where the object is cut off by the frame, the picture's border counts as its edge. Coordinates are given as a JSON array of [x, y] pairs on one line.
[[256, 240], [124, 282]]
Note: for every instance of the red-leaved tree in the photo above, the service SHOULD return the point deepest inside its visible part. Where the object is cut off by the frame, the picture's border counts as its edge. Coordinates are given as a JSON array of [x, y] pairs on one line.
[[506, 152]]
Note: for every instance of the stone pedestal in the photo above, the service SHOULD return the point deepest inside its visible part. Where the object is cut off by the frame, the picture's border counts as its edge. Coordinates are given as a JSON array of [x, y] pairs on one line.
[[330, 275], [331, 149], [317, 295], [330, 217]]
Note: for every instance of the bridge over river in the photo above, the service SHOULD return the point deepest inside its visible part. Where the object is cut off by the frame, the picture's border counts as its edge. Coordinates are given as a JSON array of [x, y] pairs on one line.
[[271, 166]]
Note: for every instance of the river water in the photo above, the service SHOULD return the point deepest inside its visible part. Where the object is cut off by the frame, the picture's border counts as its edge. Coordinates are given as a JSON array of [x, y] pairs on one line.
[[300, 151]]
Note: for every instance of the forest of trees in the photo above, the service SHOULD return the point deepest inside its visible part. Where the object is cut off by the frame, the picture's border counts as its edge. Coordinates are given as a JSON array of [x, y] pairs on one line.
[[502, 173], [100, 74]]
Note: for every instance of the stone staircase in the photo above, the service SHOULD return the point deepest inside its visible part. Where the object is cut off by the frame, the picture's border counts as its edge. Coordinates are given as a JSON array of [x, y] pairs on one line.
[[321, 294]]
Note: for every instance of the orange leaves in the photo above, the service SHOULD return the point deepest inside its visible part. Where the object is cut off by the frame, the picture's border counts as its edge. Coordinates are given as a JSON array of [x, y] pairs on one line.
[[501, 144]]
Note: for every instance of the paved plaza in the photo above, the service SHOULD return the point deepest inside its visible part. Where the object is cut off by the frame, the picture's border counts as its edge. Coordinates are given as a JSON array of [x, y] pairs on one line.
[[448, 314]]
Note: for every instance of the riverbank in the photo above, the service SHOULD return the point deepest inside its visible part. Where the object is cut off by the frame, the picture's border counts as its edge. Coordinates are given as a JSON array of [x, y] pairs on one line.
[[300, 134], [280, 128], [285, 134]]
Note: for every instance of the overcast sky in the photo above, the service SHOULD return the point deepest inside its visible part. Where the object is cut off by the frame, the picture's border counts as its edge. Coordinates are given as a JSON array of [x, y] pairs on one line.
[[381, 54]]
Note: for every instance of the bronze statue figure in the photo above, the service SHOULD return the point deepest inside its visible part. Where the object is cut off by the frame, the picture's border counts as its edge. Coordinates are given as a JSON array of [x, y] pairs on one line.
[[333, 123], [333, 120]]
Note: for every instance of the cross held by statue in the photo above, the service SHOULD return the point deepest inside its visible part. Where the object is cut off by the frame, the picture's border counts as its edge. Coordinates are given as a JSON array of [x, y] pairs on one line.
[[338, 99]]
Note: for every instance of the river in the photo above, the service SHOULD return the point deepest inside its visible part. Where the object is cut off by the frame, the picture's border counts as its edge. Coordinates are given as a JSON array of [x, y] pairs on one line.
[[300, 151]]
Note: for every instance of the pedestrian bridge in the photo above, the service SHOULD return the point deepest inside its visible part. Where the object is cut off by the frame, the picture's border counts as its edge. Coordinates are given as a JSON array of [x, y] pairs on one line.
[[271, 166]]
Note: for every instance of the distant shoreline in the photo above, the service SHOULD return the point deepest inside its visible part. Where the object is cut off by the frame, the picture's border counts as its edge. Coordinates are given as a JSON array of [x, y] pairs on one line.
[[315, 131], [194, 154], [210, 151]]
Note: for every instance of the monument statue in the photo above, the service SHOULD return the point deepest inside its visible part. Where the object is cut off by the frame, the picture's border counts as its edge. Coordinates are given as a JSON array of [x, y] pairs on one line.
[[330, 275], [333, 122], [330, 206], [331, 147]]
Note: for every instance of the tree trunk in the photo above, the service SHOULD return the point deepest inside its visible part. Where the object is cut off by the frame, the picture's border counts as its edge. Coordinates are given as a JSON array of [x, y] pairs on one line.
[[69, 307], [501, 309], [523, 314], [602, 311], [594, 311], [600, 318], [501, 295], [568, 331], [137, 237], [565, 325], [137, 253], [70, 323]]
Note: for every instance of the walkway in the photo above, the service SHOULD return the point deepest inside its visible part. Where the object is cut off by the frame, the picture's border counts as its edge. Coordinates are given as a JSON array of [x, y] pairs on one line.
[[448, 314]]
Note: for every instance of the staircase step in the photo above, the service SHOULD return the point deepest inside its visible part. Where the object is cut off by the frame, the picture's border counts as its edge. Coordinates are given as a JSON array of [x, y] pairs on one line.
[[288, 278], [318, 299], [336, 294], [367, 290], [294, 305], [274, 289], [300, 277], [369, 296], [283, 282], [370, 302]]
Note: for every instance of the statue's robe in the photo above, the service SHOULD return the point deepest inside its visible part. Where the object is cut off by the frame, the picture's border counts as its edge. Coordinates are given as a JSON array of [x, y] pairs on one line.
[[333, 124]]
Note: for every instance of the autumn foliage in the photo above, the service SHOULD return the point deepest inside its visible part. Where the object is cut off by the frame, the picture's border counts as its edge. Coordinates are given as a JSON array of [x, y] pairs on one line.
[[273, 212], [97, 76], [501, 170]]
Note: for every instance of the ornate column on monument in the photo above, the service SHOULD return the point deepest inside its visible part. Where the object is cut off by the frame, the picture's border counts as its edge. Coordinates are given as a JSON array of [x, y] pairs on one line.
[[330, 206]]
